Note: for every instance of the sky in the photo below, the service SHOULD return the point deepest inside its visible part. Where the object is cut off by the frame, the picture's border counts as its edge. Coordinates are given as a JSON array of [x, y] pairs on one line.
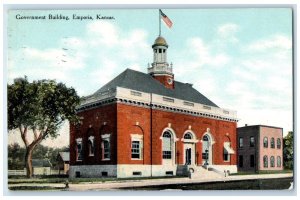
[[241, 59]]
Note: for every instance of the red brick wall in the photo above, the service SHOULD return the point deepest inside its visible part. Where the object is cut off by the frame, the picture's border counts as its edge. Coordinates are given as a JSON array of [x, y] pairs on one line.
[[93, 124], [123, 120], [199, 125], [127, 119], [270, 132]]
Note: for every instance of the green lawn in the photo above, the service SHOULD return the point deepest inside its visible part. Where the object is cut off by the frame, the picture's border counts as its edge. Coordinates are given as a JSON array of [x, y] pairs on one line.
[[36, 188], [79, 180]]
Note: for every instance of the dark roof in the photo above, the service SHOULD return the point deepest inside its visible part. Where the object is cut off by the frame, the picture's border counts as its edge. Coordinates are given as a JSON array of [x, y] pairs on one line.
[[65, 156], [258, 125], [139, 81], [41, 163]]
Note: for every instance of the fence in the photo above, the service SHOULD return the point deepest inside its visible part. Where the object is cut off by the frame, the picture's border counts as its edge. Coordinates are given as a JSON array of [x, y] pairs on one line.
[[16, 172], [23, 172]]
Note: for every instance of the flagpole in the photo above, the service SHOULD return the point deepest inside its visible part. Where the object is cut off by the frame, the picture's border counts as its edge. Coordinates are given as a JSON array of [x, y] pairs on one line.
[[159, 21]]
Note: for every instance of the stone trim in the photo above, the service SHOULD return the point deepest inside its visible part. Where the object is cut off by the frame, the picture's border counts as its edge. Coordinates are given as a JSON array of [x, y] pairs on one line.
[[123, 95]]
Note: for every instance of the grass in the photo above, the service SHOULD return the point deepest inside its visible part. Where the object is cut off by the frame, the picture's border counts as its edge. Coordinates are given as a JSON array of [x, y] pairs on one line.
[[29, 188], [37, 180], [80, 180]]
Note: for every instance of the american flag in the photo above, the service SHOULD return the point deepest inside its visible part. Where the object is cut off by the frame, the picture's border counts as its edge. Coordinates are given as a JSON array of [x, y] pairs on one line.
[[166, 19]]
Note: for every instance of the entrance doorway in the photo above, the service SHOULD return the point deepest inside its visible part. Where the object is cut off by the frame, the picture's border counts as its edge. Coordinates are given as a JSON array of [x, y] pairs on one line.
[[188, 156], [189, 143]]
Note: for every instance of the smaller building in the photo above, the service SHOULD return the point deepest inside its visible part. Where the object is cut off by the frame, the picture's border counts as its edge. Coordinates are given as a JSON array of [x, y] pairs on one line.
[[63, 162], [41, 167], [259, 148]]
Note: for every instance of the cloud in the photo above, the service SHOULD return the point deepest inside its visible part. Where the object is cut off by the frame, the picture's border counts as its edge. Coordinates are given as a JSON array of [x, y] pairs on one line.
[[104, 48], [227, 32], [275, 42], [103, 32]]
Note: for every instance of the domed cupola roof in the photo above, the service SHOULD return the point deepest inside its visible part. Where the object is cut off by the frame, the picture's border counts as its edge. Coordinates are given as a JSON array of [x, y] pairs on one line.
[[160, 41]]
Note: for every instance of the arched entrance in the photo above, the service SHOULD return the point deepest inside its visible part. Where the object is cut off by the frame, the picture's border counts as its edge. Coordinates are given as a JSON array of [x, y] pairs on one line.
[[189, 141], [206, 150]]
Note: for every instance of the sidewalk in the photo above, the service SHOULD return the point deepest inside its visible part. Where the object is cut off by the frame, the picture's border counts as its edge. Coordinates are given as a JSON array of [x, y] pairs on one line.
[[151, 182]]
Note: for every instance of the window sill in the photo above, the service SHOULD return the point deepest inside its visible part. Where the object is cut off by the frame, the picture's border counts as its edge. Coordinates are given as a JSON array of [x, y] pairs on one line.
[[106, 159], [136, 159], [91, 155]]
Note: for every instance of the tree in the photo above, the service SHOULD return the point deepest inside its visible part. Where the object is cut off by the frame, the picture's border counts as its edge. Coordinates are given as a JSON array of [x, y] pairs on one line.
[[288, 150], [15, 156], [39, 108]]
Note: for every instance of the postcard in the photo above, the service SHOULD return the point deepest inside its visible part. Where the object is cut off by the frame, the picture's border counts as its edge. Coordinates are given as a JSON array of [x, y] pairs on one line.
[[150, 99]]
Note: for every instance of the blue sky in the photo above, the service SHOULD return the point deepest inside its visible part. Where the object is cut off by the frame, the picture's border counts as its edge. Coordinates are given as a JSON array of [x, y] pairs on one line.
[[241, 59]]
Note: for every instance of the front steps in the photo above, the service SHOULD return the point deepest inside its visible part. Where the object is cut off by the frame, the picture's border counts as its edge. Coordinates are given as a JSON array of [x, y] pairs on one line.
[[199, 172]]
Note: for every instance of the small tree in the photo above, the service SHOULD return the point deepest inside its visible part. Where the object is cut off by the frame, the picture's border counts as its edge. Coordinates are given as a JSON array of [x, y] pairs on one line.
[[39, 108], [288, 150]]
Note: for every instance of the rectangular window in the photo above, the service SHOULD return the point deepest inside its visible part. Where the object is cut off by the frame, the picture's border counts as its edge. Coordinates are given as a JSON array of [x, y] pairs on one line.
[[168, 99], [252, 141], [207, 107], [137, 173], [106, 149], [169, 172], [241, 142], [226, 112], [135, 93], [135, 149], [167, 155], [188, 103], [241, 161], [252, 160], [104, 173]]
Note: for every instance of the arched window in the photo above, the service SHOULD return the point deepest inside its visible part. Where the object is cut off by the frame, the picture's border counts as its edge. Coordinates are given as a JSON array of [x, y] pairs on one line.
[[105, 146], [167, 145], [265, 161], [272, 161], [278, 161], [91, 147], [278, 143], [265, 142], [188, 136], [106, 149], [272, 143]]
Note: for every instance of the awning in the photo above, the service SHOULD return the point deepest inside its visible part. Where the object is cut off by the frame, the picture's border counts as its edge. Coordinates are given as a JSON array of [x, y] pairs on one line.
[[228, 148]]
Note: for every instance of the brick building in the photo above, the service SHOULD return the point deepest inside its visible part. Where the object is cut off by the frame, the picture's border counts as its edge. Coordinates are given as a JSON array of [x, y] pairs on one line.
[[260, 148], [151, 125]]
